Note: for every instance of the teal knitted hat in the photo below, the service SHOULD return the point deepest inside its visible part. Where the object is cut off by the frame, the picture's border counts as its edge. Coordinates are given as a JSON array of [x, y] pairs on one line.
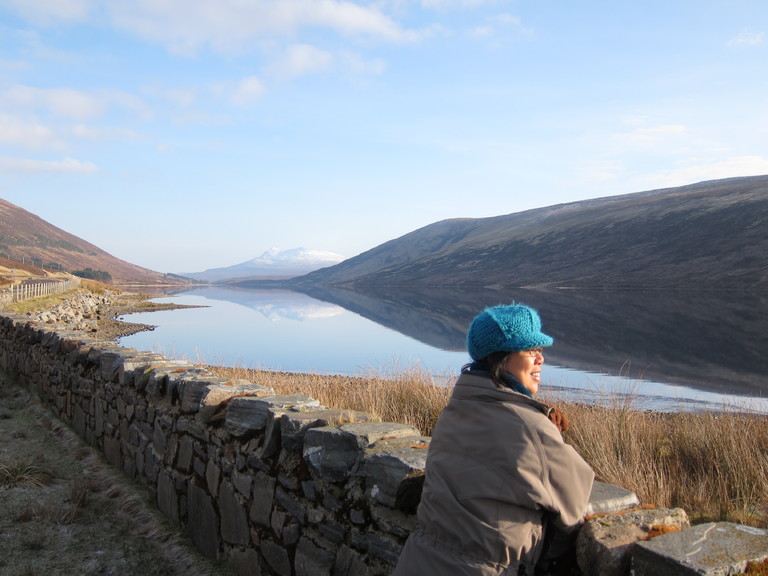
[[505, 329]]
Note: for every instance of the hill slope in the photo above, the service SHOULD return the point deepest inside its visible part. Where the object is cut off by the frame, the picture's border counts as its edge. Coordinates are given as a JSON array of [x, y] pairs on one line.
[[711, 235], [24, 235]]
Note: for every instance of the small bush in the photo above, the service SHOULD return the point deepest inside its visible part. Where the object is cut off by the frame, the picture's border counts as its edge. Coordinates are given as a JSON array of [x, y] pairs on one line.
[[97, 287]]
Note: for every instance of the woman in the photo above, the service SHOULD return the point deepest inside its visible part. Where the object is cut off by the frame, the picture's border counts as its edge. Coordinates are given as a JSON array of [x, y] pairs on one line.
[[503, 494]]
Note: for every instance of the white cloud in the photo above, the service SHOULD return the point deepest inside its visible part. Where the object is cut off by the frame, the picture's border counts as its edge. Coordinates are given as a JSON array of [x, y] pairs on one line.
[[50, 11], [28, 166], [185, 26], [31, 135], [360, 65], [177, 97], [653, 134], [84, 132], [481, 32], [60, 101], [597, 170], [747, 39], [444, 4], [301, 59], [247, 91], [697, 170], [13, 65], [69, 103], [500, 24]]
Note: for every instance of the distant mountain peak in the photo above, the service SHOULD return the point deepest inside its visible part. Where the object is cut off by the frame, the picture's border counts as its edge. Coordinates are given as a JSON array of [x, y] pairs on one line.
[[296, 256], [273, 263]]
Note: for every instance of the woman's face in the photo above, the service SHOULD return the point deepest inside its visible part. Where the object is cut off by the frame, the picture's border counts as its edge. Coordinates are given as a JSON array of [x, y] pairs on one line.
[[525, 365]]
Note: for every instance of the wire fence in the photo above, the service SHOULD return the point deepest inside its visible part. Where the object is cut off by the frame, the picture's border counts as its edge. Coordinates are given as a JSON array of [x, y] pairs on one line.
[[29, 290]]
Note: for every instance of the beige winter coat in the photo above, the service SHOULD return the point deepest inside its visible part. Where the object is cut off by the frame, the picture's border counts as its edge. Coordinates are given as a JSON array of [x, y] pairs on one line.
[[498, 474]]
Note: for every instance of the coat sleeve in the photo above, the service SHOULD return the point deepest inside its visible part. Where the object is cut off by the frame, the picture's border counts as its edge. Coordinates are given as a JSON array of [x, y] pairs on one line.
[[566, 478], [569, 480]]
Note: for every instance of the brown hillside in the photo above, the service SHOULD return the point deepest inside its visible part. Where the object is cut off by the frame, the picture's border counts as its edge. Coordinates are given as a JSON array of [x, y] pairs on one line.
[[24, 236], [27, 267], [707, 236]]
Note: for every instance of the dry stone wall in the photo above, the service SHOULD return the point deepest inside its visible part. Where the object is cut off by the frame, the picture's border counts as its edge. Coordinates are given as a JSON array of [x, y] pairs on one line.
[[270, 484]]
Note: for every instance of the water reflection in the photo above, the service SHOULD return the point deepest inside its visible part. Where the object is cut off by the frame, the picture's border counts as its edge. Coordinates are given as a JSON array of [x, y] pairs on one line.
[[671, 349], [711, 341], [273, 304], [281, 330]]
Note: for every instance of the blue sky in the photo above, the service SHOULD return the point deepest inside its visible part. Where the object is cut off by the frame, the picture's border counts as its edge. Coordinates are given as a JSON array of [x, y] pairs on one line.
[[182, 135]]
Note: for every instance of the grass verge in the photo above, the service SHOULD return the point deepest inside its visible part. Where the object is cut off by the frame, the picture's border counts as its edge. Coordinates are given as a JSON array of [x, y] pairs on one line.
[[63, 510]]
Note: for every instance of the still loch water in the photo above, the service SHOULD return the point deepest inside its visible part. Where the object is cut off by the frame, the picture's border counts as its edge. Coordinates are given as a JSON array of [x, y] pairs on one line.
[[294, 332]]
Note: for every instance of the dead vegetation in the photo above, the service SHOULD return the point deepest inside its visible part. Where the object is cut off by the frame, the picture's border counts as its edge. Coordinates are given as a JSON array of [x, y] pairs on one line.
[[64, 511]]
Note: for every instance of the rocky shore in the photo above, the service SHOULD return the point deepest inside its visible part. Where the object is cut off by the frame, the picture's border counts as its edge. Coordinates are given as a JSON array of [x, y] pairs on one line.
[[101, 313]]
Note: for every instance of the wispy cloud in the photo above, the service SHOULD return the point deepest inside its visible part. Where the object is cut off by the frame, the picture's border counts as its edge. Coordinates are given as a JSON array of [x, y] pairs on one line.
[[499, 24], [653, 134], [28, 166], [48, 12], [25, 134], [747, 38], [178, 97], [69, 103], [186, 26], [444, 4], [301, 59], [247, 91], [63, 102], [697, 170]]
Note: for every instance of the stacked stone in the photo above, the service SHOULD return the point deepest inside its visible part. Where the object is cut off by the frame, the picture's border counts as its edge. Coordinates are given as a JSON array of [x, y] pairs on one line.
[[272, 484], [78, 312]]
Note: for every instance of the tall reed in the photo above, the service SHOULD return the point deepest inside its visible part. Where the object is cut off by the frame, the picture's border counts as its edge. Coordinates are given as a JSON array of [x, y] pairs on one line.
[[410, 397], [714, 465]]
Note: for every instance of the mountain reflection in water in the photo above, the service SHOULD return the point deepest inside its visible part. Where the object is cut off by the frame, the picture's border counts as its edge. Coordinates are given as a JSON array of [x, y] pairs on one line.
[[712, 342]]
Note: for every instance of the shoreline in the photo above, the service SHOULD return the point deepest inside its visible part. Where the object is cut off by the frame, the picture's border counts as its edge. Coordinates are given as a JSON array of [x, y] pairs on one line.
[[112, 327]]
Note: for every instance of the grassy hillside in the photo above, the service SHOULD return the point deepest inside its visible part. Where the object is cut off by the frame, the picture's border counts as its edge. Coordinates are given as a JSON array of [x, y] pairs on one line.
[[711, 235], [24, 236]]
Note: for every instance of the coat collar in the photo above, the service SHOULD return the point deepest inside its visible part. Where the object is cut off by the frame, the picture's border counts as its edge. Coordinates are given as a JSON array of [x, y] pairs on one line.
[[479, 384]]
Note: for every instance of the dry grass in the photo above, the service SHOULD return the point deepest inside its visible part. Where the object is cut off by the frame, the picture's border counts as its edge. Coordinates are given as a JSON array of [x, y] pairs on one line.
[[42, 303], [88, 285], [47, 302], [410, 397], [714, 465], [24, 472], [63, 510]]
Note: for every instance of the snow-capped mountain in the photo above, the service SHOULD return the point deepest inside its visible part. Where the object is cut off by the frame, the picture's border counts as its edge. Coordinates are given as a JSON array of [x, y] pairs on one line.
[[274, 263]]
